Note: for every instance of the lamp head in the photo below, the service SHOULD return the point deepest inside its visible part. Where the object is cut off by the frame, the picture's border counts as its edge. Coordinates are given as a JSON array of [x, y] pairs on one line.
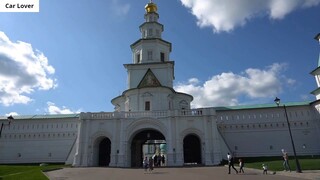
[[10, 118], [277, 101]]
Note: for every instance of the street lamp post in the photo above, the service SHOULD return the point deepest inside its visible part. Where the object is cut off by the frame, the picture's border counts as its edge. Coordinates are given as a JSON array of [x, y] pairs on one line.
[[298, 168], [9, 118]]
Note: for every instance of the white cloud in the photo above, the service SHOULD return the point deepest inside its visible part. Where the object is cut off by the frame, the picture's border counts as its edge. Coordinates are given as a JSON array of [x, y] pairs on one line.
[[22, 71], [225, 15], [53, 109], [12, 114], [228, 88], [120, 8]]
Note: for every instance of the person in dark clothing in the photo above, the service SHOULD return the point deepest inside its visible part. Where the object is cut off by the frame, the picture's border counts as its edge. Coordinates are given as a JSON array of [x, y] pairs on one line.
[[231, 163], [241, 165], [155, 160], [163, 160], [150, 164]]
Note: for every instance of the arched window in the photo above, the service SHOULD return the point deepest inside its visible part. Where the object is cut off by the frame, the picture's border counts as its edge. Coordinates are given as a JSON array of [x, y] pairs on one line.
[[183, 104], [147, 106]]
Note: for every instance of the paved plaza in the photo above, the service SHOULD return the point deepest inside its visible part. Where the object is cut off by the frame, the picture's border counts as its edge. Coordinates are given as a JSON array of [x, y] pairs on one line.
[[194, 173]]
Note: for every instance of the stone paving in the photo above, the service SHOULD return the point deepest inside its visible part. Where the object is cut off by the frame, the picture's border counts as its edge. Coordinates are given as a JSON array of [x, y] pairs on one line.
[[185, 173]]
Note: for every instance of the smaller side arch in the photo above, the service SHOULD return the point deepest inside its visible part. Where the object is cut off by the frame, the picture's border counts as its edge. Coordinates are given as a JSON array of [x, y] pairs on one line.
[[192, 146], [192, 150], [101, 149]]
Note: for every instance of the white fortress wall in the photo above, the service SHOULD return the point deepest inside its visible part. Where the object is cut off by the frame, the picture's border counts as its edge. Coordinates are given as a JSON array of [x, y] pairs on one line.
[[264, 131], [36, 139]]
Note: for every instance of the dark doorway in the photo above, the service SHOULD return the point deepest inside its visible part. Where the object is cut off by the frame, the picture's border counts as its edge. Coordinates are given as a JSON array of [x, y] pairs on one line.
[[191, 150], [137, 143], [104, 152]]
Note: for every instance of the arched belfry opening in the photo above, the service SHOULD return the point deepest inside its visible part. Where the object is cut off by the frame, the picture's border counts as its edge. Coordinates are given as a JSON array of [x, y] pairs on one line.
[[147, 143], [102, 151], [192, 150]]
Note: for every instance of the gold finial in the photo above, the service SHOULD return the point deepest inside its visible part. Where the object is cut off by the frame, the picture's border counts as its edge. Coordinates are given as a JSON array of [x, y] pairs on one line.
[[151, 7]]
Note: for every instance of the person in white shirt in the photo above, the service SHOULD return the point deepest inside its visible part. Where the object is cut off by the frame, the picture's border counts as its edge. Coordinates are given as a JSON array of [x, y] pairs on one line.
[[231, 163], [265, 169]]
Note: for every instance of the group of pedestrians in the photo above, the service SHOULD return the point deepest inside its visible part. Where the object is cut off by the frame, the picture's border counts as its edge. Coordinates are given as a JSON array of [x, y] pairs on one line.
[[154, 161], [231, 164], [285, 164], [231, 160]]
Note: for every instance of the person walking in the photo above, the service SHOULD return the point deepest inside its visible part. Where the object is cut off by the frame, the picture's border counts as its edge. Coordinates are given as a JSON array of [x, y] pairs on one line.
[[155, 159], [286, 162], [145, 163], [265, 169], [231, 163], [163, 160], [241, 165], [150, 164]]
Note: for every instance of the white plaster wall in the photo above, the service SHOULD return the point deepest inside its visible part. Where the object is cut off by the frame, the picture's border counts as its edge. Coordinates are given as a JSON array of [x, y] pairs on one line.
[[159, 98], [264, 131], [36, 141]]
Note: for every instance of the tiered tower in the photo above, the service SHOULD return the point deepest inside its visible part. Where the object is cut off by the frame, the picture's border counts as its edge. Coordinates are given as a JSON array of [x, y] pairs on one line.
[[151, 73], [316, 73]]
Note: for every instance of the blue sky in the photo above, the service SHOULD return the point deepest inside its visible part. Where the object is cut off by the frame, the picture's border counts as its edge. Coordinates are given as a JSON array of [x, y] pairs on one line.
[[69, 57]]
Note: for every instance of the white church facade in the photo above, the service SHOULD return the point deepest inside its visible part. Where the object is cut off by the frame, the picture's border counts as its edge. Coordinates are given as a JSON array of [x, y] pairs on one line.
[[150, 118]]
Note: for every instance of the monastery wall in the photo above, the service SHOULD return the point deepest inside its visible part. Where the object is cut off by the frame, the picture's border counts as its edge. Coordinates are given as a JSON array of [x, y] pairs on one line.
[[38, 140], [264, 131]]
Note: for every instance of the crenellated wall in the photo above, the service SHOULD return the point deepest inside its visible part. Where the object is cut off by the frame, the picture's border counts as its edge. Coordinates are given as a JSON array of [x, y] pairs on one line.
[[264, 131], [37, 140]]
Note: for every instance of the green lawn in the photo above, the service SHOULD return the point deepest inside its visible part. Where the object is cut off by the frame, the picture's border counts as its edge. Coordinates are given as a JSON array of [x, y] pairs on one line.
[[25, 172], [275, 163]]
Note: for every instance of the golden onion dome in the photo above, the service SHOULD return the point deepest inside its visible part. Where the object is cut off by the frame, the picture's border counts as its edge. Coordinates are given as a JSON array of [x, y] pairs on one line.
[[151, 7]]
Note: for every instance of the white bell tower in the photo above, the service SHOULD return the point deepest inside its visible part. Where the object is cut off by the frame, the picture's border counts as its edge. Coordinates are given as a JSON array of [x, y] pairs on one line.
[[152, 51], [316, 73], [151, 73]]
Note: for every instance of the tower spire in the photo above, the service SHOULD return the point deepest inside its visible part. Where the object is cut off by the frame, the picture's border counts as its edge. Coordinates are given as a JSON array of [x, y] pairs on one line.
[[317, 37]]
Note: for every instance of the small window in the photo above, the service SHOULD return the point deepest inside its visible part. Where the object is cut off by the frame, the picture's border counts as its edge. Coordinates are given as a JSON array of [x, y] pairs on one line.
[[147, 105], [145, 33], [138, 58], [150, 32], [149, 55], [162, 57]]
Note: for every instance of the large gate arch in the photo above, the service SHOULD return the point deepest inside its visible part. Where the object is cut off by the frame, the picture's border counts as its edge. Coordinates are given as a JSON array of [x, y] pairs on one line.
[[137, 134]]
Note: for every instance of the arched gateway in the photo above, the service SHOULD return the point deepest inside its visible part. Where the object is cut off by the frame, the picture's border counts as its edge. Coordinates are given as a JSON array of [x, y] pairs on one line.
[[102, 151], [191, 150], [145, 143]]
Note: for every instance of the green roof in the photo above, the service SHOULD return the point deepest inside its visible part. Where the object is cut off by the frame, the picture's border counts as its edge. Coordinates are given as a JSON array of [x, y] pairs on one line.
[[259, 106], [47, 116]]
